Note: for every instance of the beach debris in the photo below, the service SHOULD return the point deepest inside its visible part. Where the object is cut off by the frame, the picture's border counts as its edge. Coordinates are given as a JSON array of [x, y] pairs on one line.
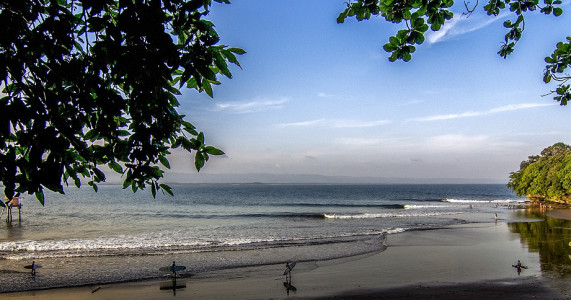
[[519, 266], [95, 289]]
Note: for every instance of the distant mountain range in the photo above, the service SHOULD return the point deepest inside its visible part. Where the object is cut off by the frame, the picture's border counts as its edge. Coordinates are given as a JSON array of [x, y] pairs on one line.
[[315, 179]]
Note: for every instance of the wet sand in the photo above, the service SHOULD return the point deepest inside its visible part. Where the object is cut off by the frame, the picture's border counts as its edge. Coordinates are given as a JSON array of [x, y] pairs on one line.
[[564, 213], [470, 261]]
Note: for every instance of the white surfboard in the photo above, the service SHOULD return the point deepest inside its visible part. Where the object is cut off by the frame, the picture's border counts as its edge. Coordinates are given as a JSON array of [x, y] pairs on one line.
[[289, 267]]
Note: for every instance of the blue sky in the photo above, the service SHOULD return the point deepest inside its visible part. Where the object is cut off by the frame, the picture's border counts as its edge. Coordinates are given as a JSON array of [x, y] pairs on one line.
[[317, 97]]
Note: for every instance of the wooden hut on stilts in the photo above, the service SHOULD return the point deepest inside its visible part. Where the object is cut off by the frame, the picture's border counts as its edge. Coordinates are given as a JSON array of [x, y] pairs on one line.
[[9, 205]]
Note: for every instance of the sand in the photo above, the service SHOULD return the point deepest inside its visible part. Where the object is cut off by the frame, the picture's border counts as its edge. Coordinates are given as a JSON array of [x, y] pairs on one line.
[[471, 261], [560, 213]]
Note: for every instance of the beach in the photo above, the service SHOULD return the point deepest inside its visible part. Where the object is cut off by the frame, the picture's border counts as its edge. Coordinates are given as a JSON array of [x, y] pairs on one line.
[[468, 261]]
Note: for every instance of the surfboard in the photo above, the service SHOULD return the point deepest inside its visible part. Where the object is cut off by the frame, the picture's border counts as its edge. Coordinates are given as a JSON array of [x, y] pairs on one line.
[[522, 267], [34, 267], [170, 269], [289, 267]]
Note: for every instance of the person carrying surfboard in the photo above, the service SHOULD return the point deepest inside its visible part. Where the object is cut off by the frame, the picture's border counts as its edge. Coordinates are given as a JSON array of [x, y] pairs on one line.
[[33, 267]]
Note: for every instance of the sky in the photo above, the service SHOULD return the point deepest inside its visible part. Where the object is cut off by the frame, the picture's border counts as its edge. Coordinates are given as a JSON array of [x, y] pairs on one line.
[[321, 98]]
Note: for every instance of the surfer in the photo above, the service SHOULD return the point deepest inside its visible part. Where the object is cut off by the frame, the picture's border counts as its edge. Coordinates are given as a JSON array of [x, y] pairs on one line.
[[287, 273], [174, 268], [33, 268]]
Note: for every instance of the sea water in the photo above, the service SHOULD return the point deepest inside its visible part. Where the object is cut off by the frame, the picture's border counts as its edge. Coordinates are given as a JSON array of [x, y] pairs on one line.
[[87, 238]]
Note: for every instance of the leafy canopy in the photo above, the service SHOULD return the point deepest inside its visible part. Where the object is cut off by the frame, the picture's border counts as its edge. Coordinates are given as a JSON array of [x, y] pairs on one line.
[[546, 176], [94, 82], [420, 15]]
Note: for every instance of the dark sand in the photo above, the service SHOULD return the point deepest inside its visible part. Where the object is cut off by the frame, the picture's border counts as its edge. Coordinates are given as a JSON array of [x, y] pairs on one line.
[[471, 261]]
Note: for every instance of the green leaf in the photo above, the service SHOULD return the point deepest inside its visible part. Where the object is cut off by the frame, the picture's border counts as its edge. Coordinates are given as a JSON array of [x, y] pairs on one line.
[[237, 51], [191, 83], [406, 56], [547, 77], [342, 16], [99, 176], [207, 88], [40, 196], [115, 167], [436, 26], [389, 47], [198, 161], [213, 151], [164, 161], [167, 189], [557, 11]]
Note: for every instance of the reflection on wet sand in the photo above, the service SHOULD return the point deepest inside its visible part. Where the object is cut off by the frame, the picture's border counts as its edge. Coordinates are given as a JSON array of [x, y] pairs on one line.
[[173, 285], [550, 238]]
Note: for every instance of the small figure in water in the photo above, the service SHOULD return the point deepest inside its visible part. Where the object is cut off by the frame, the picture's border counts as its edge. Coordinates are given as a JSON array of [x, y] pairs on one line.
[[496, 216], [174, 268], [519, 266], [33, 268]]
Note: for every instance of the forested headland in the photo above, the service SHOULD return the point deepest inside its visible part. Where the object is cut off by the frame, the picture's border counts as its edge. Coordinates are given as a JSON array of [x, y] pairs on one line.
[[545, 177]]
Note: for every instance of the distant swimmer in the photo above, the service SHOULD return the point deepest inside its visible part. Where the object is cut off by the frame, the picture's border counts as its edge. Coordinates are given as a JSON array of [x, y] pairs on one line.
[[519, 267], [496, 216]]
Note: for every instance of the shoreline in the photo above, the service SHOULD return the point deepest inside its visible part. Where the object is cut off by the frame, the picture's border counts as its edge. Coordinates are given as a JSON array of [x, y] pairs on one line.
[[560, 213], [469, 260]]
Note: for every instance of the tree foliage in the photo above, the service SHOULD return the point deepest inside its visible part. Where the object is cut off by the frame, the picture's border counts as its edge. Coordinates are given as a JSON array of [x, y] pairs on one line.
[[420, 15], [94, 82], [545, 176]]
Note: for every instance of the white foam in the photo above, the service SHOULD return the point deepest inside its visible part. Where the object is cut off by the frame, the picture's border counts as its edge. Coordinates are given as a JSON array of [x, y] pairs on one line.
[[388, 215], [473, 201], [415, 206]]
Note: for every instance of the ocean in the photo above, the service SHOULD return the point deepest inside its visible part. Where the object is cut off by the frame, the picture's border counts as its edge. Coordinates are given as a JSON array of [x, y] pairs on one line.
[[88, 238]]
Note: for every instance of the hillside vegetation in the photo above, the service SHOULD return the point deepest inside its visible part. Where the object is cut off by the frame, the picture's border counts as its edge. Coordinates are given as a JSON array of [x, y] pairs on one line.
[[545, 177]]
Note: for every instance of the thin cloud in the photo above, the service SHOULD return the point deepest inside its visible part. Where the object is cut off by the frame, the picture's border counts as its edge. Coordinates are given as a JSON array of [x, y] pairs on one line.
[[251, 106], [336, 123], [519, 106], [360, 142], [301, 124], [460, 25], [353, 124], [468, 114], [325, 95], [448, 117], [332, 96]]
